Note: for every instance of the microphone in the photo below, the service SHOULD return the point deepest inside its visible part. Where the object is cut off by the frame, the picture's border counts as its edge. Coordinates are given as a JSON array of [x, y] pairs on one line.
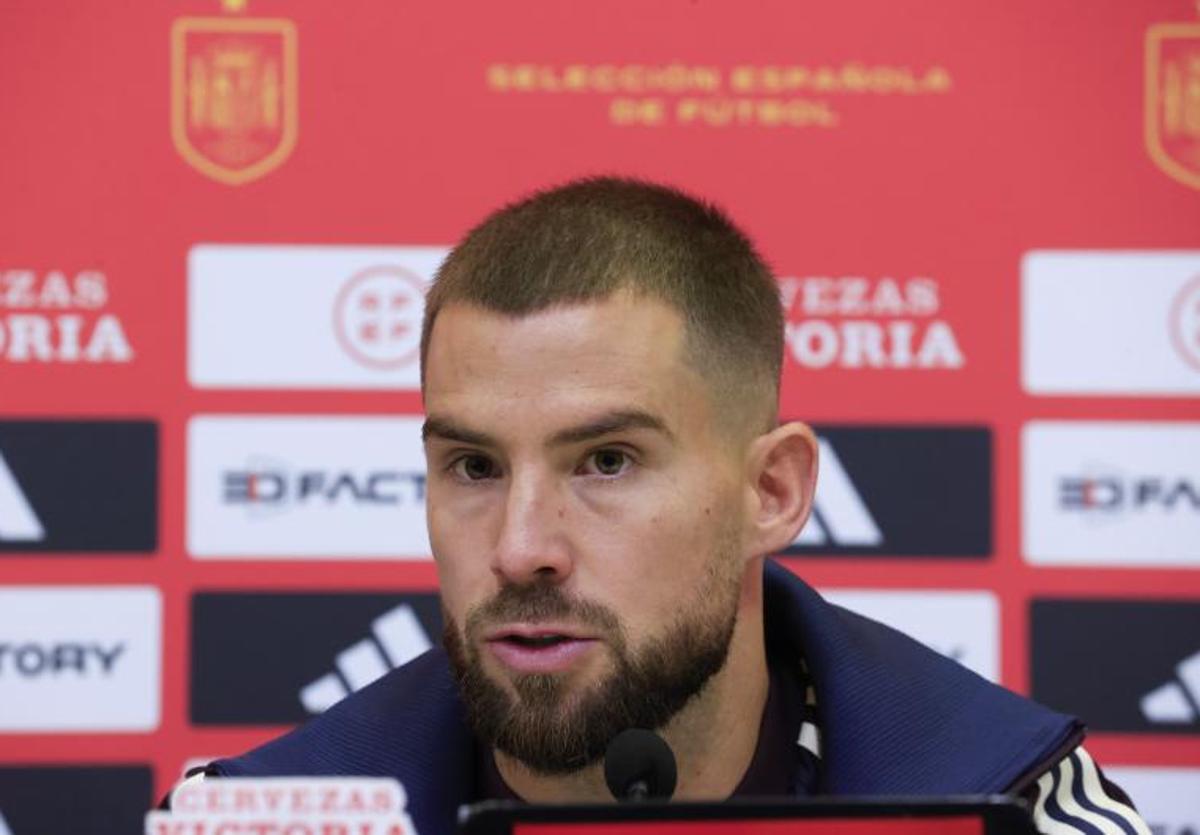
[[639, 765]]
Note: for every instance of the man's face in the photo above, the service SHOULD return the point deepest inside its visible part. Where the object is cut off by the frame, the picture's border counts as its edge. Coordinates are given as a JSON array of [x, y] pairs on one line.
[[585, 514]]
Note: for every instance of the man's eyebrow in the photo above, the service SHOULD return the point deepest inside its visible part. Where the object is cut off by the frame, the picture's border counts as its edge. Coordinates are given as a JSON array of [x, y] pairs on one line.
[[609, 424], [447, 431]]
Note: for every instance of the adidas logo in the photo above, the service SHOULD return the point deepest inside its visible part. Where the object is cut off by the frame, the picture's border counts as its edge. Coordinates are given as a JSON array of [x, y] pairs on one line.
[[1176, 701], [18, 522], [839, 515], [396, 638]]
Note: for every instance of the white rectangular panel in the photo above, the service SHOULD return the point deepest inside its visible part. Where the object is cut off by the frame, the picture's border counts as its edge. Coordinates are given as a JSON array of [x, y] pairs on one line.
[[1111, 493]]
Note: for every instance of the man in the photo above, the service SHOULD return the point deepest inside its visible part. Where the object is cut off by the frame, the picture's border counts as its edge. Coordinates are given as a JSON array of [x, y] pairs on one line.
[[606, 480]]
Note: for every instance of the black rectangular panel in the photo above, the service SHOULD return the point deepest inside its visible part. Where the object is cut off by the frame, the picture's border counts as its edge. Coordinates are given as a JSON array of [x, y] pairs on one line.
[[253, 653], [81, 800], [76, 485], [902, 491], [1120, 665]]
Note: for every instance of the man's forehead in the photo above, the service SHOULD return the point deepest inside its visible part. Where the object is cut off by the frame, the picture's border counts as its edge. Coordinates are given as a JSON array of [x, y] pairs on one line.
[[565, 365], [631, 340]]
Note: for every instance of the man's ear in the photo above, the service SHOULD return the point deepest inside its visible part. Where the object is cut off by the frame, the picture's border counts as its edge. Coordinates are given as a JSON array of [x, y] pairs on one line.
[[782, 479]]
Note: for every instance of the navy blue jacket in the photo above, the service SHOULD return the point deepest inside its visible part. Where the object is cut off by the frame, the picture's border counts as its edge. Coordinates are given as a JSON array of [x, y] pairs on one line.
[[896, 718]]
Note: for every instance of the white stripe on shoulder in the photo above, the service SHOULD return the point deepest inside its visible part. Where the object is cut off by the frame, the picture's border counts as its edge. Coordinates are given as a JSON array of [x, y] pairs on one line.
[[194, 780], [1042, 820], [1093, 789], [1071, 806], [810, 739]]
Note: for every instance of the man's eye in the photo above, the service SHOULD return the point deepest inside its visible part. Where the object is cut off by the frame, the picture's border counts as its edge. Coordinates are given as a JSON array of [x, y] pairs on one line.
[[474, 467], [607, 462]]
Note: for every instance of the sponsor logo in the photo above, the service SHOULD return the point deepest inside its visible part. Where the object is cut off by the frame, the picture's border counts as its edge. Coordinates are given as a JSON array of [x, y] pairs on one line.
[[1185, 322], [277, 488], [79, 658], [1099, 493], [1177, 700], [297, 805], [1110, 323], [306, 487], [1168, 799], [360, 636], [854, 322], [378, 316], [1173, 100], [54, 316], [83, 800], [86, 486], [923, 615], [353, 315], [912, 491], [234, 101], [1113, 495], [18, 522], [396, 638], [1073, 646], [839, 516]]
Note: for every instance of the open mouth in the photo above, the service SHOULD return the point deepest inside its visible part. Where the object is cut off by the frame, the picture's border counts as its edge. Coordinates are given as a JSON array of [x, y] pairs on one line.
[[536, 641], [533, 650]]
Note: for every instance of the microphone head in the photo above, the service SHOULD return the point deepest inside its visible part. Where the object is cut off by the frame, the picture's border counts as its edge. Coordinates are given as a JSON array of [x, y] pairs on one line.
[[639, 756]]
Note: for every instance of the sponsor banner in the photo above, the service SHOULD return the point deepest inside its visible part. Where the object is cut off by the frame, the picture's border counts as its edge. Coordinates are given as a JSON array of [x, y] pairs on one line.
[[1111, 323], [901, 491], [1120, 665], [53, 316], [858, 322], [306, 487], [78, 486], [1111, 493], [79, 658], [923, 615], [1167, 798], [322, 648], [293, 805], [307, 317], [76, 799]]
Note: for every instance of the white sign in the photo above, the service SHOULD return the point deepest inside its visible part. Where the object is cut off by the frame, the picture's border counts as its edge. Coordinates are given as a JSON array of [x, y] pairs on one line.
[[79, 658], [962, 625], [1111, 323], [1111, 493], [1168, 799], [306, 487], [307, 317]]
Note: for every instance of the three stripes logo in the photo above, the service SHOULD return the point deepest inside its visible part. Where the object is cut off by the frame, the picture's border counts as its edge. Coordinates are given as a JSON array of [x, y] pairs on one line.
[[322, 646], [839, 515], [1176, 702], [1155, 690], [18, 521], [901, 491], [397, 637]]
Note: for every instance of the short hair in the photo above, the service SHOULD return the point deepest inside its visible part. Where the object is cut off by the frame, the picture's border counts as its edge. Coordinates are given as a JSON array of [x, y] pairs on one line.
[[589, 239]]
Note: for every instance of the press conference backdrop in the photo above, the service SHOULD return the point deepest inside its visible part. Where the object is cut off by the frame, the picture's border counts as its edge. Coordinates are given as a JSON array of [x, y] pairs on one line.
[[217, 222]]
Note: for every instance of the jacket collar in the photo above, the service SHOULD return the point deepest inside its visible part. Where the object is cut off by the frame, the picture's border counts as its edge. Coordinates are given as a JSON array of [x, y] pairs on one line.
[[897, 718]]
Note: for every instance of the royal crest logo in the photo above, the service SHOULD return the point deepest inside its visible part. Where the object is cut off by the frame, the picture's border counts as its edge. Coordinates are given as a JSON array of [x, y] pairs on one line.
[[1173, 100], [234, 94]]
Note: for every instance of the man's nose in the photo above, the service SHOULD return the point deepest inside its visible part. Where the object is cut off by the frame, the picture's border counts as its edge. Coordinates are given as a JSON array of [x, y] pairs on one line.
[[532, 546]]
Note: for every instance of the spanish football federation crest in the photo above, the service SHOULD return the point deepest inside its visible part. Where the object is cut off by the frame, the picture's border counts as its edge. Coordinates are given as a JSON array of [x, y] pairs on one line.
[[233, 95], [1173, 100]]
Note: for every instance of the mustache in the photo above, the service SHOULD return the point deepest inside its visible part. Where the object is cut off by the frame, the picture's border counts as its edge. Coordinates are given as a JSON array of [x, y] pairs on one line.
[[540, 602]]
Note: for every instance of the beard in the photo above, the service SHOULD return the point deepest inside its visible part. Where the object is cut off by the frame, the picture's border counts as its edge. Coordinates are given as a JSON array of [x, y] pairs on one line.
[[553, 730]]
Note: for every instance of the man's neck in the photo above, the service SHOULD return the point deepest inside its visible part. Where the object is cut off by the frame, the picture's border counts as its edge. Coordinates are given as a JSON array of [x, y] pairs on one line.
[[713, 737]]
